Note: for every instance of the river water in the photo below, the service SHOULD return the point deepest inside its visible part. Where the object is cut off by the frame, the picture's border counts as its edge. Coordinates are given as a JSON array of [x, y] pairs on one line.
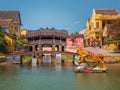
[[47, 77]]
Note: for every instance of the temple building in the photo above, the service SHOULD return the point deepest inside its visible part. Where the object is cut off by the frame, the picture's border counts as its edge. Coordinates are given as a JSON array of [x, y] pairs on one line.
[[45, 39]]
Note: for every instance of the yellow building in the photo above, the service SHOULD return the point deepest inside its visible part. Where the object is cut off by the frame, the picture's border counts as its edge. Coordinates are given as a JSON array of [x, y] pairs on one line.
[[10, 22], [23, 32], [16, 21], [95, 25], [6, 25]]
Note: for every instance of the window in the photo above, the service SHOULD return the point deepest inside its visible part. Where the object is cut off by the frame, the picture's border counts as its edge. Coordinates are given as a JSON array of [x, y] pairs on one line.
[[97, 24], [6, 30], [103, 24], [16, 28]]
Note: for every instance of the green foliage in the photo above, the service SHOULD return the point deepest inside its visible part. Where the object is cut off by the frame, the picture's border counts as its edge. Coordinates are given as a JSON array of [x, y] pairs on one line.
[[113, 33], [112, 41], [67, 57], [27, 57], [1, 54], [20, 43], [3, 42]]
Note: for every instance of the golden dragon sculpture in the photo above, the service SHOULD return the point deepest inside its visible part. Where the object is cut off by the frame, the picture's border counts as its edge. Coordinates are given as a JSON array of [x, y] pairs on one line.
[[84, 54]]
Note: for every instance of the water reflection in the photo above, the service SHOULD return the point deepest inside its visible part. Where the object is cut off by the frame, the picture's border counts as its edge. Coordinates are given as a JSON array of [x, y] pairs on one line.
[[99, 81], [57, 77]]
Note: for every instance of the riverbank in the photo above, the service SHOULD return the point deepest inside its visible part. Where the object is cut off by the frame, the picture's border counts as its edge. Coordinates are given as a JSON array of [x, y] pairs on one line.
[[5, 63], [109, 57]]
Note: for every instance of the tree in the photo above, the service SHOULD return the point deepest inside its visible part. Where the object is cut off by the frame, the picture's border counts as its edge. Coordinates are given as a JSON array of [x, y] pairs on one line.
[[113, 36], [3, 42], [114, 32], [20, 43]]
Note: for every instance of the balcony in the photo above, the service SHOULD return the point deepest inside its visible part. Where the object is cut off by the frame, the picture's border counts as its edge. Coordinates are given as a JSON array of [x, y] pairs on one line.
[[95, 30], [44, 41]]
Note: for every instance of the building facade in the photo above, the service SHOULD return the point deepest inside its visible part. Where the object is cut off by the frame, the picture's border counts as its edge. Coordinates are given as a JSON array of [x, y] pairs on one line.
[[15, 18], [96, 24], [73, 42], [10, 22]]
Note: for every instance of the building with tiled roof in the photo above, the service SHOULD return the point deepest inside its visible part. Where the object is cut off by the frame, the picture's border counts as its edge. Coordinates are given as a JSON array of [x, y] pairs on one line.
[[96, 24], [15, 17], [10, 22], [45, 38], [106, 11], [5, 23]]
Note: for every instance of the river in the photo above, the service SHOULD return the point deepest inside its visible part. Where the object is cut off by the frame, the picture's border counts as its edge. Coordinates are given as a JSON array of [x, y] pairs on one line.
[[47, 77]]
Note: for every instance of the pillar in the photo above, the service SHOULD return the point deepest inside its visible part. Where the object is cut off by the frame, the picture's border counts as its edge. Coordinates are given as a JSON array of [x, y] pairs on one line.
[[73, 60], [53, 47], [33, 48], [60, 47], [53, 59], [40, 47], [40, 58], [21, 61]]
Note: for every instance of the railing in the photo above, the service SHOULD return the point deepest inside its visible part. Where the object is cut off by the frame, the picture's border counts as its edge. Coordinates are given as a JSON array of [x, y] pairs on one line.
[[44, 41], [94, 31]]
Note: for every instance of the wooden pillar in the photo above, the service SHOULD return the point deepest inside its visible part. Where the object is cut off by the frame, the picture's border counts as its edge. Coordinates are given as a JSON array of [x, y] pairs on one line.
[[40, 47], [21, 61], [53, 61], [73, 60], [33, 48], [53, 47], [60, 47], [40, 58]]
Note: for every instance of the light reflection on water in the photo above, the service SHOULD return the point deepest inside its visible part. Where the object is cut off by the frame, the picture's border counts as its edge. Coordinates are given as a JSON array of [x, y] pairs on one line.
[[48, 77]]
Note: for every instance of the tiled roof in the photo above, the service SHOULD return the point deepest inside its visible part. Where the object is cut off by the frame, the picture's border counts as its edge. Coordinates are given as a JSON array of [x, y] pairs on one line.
[[10, 35], [14, 15], [4, 23], [106, 11], [47, 32]]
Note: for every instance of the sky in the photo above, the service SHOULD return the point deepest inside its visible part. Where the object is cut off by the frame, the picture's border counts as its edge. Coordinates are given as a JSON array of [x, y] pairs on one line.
[[70, 15]]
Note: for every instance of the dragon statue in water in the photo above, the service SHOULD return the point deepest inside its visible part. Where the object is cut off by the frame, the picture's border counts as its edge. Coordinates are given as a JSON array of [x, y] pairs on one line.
[[84, 54]]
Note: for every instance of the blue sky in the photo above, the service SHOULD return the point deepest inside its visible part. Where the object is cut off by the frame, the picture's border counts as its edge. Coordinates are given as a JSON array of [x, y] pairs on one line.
[[61, 14]]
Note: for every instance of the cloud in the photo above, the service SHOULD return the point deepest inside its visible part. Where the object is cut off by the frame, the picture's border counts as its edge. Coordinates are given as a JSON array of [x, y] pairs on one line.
[[77, 22]]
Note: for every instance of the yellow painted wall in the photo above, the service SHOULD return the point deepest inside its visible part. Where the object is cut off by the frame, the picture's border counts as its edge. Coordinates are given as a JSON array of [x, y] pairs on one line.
[[11, 43], [11, 27], [17, 29], [14, 28], [23, 32]]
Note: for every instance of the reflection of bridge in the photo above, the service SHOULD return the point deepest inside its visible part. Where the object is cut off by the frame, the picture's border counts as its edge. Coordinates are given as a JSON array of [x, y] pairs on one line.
[[40, 54]]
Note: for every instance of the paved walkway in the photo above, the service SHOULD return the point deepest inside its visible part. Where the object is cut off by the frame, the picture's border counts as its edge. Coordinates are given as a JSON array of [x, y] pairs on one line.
[[98, 50], [101, 51]]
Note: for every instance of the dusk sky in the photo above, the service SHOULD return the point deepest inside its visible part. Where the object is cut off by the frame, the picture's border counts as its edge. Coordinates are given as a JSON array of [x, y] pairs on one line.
[[70, 15]]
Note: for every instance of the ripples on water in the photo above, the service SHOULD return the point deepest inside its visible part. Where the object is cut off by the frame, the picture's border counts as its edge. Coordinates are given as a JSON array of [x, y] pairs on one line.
[[47, 77]]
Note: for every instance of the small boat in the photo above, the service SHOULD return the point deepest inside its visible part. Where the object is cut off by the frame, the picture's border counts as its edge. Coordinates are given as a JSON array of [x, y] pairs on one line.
[[89, 70]]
